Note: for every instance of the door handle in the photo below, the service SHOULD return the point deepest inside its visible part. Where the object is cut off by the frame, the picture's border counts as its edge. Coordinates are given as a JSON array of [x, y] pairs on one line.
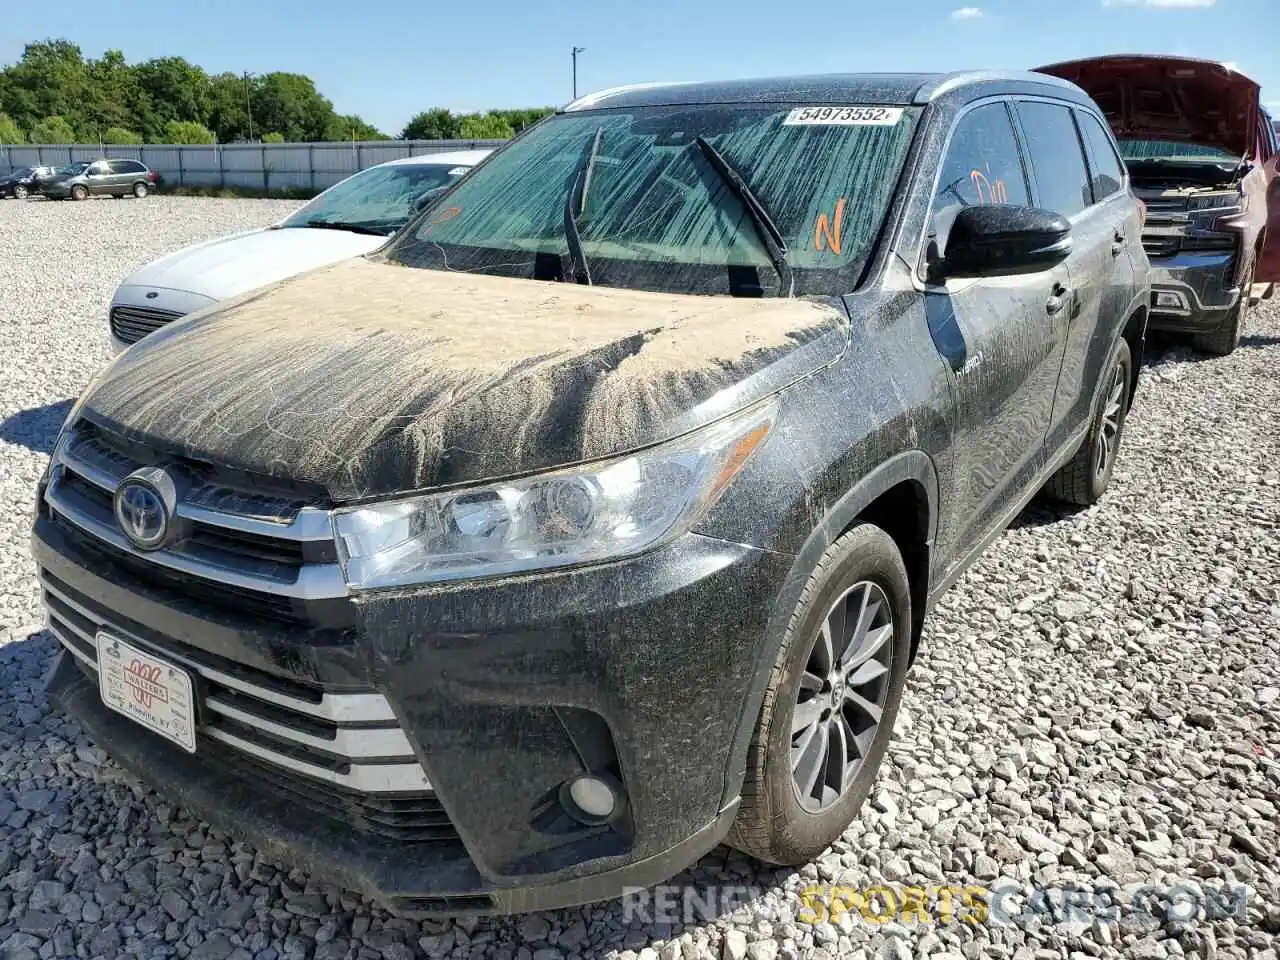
[[1117, 243], [1058, 300]]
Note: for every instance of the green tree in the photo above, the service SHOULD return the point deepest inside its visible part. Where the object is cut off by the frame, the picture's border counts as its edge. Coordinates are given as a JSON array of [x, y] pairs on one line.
[[51, 80], [10, 132], [484, 127], [519, 119], [434, 124], [187, 131], [229, 97], [351, 127], [273, 137], [289, 103], [112, 98], [174, 90], [52, 130], [121, 135]]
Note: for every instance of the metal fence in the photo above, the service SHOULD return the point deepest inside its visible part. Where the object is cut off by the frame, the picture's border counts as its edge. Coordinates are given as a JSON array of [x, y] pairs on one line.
[[253, 166]]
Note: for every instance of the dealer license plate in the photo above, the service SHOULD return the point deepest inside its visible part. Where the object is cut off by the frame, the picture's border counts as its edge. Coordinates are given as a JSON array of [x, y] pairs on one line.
[[147, 690]]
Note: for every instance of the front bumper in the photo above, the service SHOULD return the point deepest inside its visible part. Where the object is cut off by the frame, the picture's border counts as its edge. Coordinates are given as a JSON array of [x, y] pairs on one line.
[[1203, 286], [505, 691]]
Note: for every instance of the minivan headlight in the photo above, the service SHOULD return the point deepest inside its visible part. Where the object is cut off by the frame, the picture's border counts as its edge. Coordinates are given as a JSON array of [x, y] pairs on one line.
[[599, 511]]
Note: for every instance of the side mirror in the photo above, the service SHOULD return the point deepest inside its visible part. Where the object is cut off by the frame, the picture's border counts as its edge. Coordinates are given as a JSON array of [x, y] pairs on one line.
[[993, 241], [422, 202]]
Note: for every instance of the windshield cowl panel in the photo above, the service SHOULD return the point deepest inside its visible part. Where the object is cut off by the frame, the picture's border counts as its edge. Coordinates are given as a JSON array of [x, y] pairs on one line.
[[662, 215]]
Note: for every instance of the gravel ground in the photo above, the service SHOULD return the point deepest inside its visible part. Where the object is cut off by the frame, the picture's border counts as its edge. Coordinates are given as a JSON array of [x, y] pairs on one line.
[[1097, 707]]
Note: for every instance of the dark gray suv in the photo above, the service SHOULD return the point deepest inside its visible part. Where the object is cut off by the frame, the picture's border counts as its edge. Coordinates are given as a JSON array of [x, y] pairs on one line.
[[104, 178], [594, 519]]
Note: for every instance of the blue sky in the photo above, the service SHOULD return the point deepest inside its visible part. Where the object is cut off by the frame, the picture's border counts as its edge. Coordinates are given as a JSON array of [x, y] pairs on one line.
[[388, 59]]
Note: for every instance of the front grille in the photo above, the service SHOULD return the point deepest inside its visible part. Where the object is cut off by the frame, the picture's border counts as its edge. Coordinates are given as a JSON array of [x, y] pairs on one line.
[[131, 324], [341, 755], [250, 543], [1160, 245]]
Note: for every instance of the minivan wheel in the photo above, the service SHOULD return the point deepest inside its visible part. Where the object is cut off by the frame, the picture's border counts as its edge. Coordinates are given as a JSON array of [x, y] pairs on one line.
[[20, 192], [79, 192], [1084, 478], [830, 704], [140, 190]]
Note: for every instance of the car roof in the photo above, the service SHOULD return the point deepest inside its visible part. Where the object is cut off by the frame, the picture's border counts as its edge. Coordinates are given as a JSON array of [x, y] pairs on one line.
[[835, 88], [452, 158]]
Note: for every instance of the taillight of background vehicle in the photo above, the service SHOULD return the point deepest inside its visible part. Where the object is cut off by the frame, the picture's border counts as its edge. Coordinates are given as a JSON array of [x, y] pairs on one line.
[[153, 176]]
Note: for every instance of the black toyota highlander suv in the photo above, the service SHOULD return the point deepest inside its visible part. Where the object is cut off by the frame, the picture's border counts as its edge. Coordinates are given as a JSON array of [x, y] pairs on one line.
[[593, 520]]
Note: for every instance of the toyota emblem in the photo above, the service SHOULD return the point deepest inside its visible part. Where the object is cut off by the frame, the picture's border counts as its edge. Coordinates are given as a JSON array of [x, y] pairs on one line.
[[141, 509]]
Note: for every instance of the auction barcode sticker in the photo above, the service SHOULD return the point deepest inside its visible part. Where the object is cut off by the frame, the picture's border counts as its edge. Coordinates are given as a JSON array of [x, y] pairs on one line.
[[843, 117]]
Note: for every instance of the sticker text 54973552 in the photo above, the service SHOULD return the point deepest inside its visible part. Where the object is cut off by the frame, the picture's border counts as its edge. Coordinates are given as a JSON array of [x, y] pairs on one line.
[[843, 117]]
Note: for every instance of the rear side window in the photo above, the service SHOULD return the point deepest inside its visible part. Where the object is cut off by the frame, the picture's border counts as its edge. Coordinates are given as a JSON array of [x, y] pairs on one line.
[[1056, 157], [1108, 175], [982, 167], [127, 166]]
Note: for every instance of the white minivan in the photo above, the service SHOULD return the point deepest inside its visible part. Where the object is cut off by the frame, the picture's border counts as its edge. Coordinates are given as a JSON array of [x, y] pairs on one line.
[[353, 217]]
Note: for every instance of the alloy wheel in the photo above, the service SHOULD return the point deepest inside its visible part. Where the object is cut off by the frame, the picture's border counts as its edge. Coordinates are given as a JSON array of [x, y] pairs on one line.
[[1112, 417], [842, 695]]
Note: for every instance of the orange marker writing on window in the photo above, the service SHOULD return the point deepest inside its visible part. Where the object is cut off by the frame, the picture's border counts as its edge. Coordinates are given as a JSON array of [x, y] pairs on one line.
[[827, 233]]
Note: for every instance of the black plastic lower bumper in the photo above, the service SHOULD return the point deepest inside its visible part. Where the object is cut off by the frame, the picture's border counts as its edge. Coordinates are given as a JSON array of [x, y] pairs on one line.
[[639, 670], [413, 880]]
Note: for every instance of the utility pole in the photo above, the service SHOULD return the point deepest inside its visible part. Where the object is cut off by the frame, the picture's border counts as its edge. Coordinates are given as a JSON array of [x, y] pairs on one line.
[[576, 51], [247, 107]]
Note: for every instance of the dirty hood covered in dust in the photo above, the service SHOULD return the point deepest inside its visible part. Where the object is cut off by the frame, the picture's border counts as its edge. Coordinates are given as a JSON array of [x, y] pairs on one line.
[[375, 379]]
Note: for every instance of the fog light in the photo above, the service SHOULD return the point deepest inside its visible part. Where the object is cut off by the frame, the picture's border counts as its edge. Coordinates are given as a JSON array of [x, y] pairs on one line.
[[1166, 300], [590, 799]]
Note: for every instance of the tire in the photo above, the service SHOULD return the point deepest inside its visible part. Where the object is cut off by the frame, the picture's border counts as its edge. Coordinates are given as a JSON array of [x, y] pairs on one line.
[[79, 192], [140, 190], [1226, 337], [20, 192], [774, 823], [1084, 478]]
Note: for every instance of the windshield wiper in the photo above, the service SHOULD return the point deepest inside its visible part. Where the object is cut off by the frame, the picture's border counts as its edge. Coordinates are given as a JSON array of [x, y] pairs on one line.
[[574, 206], [774, 243], [341, 225]]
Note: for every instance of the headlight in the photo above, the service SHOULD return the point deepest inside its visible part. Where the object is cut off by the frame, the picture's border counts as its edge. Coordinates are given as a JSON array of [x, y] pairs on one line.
[[587, 514], [1220, 202]]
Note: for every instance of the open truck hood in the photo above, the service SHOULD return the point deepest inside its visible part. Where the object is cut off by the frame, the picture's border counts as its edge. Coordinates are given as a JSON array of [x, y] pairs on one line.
[[1170, 98], [374, 379]]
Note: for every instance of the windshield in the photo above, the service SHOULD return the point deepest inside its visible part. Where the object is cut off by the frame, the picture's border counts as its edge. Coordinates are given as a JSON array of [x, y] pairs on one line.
[[72, 169], [1173, 151], [654, 208], [380, 198]]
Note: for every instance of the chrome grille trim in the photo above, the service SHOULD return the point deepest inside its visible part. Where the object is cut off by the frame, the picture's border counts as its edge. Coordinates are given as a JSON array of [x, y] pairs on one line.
[[362, 777], [402, 773], [357, 744], [321, 581], [309, 525], [337, 708]]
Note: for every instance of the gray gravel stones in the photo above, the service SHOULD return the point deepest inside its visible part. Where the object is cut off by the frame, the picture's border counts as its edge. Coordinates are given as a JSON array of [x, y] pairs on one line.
[[1095, 708]]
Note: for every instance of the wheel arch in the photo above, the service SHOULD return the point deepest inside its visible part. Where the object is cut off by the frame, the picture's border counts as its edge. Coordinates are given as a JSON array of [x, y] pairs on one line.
[[901, 497], [1134, 333]]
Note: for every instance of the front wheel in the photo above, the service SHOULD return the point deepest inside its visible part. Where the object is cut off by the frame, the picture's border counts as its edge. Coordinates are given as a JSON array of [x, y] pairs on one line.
[[830, 705], [1084, 478], [20, 192], [140, 190], [79, 192]]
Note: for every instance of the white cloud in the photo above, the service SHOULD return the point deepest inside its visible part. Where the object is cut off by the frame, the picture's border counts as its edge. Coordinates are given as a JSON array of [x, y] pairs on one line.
[[1160, 4], [967, 13]]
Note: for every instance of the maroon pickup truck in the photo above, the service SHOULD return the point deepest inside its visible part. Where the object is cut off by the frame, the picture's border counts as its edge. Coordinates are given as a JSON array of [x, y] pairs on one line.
[[1202, 155]]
